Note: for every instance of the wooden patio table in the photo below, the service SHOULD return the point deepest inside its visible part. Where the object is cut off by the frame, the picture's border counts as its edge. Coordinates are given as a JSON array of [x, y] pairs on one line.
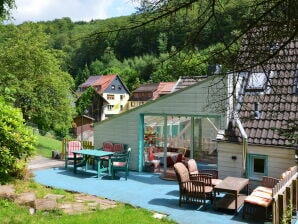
[[231, 186], [96, 154]]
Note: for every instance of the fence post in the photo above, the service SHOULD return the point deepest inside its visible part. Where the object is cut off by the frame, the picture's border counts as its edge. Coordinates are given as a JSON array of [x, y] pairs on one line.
[[63, 151], [288, 200], [294, 199], [281, 207]]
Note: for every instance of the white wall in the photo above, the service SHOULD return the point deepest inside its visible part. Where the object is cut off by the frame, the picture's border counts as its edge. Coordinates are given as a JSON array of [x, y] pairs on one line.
[[279, 159]]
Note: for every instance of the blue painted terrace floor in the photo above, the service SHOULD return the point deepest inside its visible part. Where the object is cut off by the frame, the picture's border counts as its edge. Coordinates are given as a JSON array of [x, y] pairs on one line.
[[144, 190]]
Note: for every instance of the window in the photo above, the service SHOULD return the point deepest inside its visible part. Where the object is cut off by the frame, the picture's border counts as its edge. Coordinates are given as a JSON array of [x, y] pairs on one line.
[[121, 97], [121, 107], [113, 87], [119, 87], [257, 82], [110, 107], [110, 97], [257, 166]]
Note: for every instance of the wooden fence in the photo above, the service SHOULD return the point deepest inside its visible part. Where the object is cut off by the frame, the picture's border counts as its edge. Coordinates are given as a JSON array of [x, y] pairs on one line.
[[85, 145], [285, 197]]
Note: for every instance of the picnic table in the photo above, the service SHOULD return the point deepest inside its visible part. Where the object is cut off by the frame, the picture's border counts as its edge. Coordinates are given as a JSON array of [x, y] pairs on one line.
[[97, 154]]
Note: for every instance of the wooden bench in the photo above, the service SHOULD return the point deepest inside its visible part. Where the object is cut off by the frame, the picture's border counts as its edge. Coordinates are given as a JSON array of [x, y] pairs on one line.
[[258, 203]]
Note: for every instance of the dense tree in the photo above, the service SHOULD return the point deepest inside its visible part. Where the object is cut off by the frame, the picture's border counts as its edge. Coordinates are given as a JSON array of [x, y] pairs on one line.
[[5, 7], [42, 89], [16, 142], [224, 21]]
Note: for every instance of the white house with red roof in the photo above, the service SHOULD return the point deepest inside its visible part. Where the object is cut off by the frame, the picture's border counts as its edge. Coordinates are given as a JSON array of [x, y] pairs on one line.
[[112, 89]]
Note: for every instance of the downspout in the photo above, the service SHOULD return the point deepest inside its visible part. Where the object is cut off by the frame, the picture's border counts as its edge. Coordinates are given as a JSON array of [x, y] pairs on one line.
[[240, 126], [244, 146]]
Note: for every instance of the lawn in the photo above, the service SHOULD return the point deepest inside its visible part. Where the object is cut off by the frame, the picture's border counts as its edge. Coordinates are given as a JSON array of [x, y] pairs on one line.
[[122, 213], [46, 144]]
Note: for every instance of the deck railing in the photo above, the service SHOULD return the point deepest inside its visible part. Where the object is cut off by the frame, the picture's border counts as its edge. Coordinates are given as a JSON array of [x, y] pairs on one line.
[[285, 196]]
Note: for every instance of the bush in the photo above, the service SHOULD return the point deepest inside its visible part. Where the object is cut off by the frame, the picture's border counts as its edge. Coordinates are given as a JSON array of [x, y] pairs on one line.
[[16, 142]]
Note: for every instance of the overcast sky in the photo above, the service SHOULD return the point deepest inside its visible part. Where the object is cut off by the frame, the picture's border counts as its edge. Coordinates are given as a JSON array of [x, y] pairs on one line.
[[77, 10]]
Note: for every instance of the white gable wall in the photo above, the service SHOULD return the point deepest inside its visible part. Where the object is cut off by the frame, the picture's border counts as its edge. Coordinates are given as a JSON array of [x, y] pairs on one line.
[[195, 100], [279, 159]]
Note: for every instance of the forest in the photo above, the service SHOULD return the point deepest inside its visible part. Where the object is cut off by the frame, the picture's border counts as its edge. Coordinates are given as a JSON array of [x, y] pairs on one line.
[[42, 63]]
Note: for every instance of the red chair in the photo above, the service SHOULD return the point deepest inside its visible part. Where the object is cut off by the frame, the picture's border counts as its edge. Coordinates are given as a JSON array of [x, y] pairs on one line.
[[70, 147]]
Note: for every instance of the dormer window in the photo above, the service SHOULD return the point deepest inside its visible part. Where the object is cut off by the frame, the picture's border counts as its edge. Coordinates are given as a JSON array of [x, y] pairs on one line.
[[257, 82]]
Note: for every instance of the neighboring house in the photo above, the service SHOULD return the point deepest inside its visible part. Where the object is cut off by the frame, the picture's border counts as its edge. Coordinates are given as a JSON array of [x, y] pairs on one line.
[[112, 90], [83, 128], [267, 103], [149, 92]]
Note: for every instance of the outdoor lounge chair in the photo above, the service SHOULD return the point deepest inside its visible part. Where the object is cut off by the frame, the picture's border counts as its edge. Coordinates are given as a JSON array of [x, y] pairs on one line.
[[120, 162], [70, 147], [193, 170], [258, 203], [191, 191]]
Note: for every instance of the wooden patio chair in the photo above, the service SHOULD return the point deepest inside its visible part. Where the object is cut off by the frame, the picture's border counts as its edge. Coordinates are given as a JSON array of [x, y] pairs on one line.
[[191, 191], [70, 147], [259, 202], [120, 162], [193, 170]]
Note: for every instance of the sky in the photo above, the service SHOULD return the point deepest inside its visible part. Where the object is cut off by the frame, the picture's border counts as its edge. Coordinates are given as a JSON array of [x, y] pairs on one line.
[[77, 10]]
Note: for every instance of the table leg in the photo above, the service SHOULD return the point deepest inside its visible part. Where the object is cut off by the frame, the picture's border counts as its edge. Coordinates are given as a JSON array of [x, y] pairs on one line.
[[110, 165], [99, 167], [75, 163], [236, 202]]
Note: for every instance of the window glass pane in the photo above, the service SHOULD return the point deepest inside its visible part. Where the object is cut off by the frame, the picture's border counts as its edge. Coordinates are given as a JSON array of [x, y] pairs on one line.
[[259, 165]]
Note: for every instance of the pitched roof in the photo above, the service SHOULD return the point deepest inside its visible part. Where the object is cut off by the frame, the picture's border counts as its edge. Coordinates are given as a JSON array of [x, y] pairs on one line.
[[90, 81], [157, 90], [147, 88], [166, 87], [185, 81], [104, 82], [267, 106]]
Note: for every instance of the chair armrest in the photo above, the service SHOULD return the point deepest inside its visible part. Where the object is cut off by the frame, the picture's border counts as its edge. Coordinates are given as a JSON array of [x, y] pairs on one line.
[[213, 172]]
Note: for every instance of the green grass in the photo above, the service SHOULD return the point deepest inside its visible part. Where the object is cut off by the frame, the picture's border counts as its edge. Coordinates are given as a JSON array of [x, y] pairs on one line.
[[121, 214], [45, 145]]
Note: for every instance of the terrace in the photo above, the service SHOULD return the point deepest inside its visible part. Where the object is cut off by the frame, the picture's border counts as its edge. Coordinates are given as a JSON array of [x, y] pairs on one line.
[[146, 190]]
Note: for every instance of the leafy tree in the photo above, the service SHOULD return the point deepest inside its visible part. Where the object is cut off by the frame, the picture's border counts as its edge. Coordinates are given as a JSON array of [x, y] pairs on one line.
[[16, 142], [5, 7], [42, 89]]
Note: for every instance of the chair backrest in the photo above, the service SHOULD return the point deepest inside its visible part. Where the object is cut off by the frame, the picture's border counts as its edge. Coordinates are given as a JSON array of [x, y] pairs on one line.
[[181, 172], [150, 154], [179, 157], [108, 146], [72, 146], [203, 177], [118, 147], [213, 172], [192, 166]]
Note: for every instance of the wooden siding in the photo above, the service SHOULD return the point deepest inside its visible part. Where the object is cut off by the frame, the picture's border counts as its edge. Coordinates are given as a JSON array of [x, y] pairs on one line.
[[279, 159], [195, 100]]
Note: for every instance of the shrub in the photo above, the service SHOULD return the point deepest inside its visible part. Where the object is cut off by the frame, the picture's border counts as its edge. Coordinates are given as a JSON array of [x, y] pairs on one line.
[[16, 142]]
